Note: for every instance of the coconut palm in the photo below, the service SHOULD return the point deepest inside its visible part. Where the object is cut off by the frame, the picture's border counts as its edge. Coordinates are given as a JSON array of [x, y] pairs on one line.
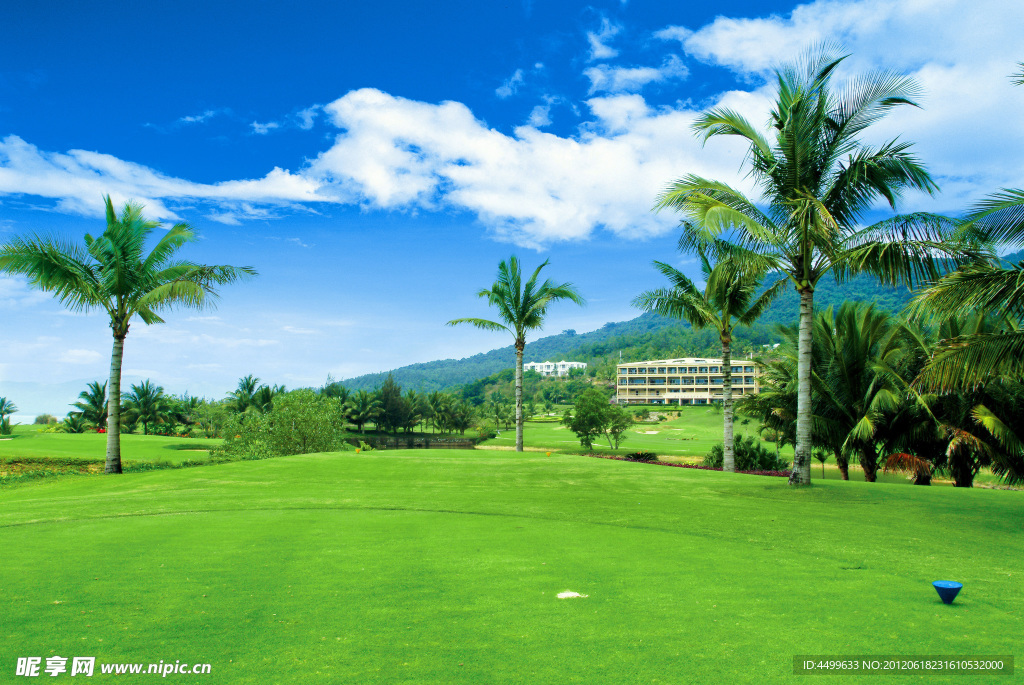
[[112, 273], [361, 408], [92, 404], [6, 409], [816, 181], [963, 362], [244, 396], [728, 301], [521, 308], [147, 403]]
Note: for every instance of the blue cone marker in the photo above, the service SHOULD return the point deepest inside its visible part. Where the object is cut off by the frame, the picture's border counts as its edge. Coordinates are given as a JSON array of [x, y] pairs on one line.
[[947, 590]]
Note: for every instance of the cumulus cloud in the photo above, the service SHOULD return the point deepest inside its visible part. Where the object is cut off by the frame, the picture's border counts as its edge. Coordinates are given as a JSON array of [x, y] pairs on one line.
[[78, 179], [599, 47], [631, 79], [531, 187], [960, 51], [536, 188]]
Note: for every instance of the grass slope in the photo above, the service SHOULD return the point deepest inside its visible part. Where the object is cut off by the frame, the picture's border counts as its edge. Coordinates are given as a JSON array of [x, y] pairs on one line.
[[29, 442], [442, 567]]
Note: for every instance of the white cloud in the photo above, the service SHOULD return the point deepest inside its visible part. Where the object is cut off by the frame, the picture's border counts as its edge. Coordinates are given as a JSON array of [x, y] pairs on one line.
[[198, 118], [15, 293], [307, 116], [536, 188], [540, 116], [960, 51], [511, 85], [599, 48], [263, 129], [605, 78], [80, 357], [78, 180]]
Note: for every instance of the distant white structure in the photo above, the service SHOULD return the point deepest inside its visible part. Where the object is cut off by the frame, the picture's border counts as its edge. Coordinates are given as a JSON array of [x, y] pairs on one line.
[[553, 368]]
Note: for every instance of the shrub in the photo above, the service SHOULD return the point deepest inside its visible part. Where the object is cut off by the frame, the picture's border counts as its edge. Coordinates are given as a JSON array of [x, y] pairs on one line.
[[750, 456], [642, 456], [300, 422], [44, 420]]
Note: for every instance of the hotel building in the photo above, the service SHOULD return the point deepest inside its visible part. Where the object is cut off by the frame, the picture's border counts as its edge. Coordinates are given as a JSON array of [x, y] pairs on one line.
[[690, 380]]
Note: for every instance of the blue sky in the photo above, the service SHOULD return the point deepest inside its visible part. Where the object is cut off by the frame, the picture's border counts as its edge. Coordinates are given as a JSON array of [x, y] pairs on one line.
[[374, 161]]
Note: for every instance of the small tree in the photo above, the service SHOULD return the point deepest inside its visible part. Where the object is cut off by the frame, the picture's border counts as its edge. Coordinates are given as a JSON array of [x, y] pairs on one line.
[[594, 417]]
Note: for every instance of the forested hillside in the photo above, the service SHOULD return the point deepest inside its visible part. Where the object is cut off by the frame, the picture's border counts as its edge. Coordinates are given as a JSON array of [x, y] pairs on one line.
[[648, 336]]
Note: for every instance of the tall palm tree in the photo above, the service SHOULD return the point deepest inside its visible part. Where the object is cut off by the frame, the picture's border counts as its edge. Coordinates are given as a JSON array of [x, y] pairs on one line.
[[113, 273], [148, 404], [816, 181], [728, 301], [92, 404], [521, 308]]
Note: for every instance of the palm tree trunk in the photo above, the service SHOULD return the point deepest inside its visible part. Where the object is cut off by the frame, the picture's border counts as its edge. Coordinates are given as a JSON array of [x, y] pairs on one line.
[[113, 464], [802, 454], [519, 396], [728, 447]]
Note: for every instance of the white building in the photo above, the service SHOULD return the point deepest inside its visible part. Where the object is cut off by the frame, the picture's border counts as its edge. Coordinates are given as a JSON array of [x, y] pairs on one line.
[[553, 368], [688, 380]]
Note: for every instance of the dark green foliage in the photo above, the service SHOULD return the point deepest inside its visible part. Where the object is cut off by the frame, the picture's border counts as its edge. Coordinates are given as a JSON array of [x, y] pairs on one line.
[[750, 456], [44, 420], [92, 404], [642, 456]]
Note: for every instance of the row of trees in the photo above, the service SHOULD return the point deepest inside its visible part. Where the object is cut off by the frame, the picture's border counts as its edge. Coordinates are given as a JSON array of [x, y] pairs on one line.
[[817, 181], [868, 406]]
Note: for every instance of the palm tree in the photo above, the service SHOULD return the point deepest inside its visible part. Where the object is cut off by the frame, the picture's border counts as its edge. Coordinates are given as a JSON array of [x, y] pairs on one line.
[[816, 180], [113, 274], [244, 396], [6, 409], [521, 308], [92, 404], [963, 362], [147, 403], [728, 301], [361, 408], [859, 393]]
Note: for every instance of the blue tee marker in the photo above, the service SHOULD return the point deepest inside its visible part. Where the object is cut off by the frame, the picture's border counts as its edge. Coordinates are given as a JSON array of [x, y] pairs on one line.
[[947, 590]]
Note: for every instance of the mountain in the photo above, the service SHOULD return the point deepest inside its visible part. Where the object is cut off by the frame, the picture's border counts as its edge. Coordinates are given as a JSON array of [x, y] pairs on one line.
[[648, 336]]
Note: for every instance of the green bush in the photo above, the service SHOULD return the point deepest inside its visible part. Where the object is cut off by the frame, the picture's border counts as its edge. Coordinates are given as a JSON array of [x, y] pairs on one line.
[[749, 454], [301, 422]]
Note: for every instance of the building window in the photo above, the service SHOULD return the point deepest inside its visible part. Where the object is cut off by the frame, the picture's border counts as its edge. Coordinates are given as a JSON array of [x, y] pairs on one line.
[[672, 369], [662, 369], [713, 369], [703, 369], [693, 369]]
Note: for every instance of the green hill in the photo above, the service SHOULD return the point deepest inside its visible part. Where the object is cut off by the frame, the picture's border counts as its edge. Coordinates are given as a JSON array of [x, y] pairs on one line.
[[648, 336]]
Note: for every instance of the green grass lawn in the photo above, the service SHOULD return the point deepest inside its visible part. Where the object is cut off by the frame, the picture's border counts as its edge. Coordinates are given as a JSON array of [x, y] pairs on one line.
[[437, 566], [690, 435], [29, 442]]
